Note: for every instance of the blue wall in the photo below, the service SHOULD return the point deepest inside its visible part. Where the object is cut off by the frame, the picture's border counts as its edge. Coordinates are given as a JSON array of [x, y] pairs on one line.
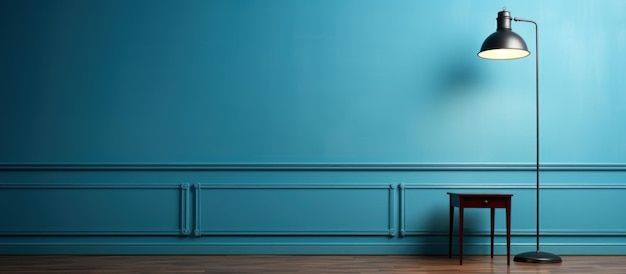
[[292, 126]]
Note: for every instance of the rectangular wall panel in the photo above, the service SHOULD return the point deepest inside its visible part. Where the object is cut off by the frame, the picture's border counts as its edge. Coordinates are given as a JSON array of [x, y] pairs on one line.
[[113, 209], [565, 210], [584, 210], [296, 209]]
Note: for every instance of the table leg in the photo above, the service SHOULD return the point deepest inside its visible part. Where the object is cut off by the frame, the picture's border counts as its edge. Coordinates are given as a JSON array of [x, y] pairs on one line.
[[461, 235], [492, 226], [451, 225], [508, 232]]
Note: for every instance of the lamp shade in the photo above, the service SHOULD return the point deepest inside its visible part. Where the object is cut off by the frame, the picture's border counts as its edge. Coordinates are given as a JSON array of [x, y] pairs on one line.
[[504, 44]]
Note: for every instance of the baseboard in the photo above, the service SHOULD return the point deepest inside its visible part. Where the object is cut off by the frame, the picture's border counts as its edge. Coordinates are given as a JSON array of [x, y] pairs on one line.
[[440, 249]]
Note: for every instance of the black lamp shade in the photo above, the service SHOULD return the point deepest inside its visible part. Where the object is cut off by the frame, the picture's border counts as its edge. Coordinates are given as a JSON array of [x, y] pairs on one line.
[[504, 44]]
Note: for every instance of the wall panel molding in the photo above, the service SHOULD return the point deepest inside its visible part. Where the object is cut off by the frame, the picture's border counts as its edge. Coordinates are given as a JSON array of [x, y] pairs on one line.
[[108, 203], [564, 188], [295, 166], [512, 186], [529, 233], [389, 193]]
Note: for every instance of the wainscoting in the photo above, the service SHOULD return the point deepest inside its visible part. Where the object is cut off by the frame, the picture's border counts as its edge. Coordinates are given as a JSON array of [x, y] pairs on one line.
[[300, 208]]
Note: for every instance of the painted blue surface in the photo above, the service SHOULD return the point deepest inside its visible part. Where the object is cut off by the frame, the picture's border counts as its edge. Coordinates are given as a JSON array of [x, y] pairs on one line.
[[294, 126]]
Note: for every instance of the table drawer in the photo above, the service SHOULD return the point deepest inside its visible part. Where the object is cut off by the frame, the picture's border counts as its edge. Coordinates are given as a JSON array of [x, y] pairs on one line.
[[486, 202]]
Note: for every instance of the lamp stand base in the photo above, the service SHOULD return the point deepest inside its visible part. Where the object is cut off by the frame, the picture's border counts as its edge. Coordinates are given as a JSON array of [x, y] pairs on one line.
[[537, 257]]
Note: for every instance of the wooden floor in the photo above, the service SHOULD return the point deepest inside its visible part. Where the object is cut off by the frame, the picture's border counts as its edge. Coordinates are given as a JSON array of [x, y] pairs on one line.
[[302, 264]]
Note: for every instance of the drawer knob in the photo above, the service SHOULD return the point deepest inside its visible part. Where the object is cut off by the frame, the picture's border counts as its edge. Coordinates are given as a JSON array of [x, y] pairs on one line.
[[485, 202]]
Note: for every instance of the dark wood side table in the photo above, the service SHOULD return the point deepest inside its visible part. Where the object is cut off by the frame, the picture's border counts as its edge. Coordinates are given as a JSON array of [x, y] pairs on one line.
[[477, 200]]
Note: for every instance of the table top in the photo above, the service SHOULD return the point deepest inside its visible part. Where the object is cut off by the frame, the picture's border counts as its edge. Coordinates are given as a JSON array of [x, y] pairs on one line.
[[494, 195]]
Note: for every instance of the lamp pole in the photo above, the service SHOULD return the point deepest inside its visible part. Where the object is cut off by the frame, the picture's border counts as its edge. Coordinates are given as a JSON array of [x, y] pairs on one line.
[[536, 256], [517, 19]]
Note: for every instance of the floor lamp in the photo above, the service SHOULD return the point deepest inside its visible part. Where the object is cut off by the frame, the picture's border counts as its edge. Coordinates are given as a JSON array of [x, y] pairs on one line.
[[504, 44]]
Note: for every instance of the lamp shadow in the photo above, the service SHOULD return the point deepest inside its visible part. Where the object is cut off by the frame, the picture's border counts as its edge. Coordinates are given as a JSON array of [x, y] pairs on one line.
[[457, 75]]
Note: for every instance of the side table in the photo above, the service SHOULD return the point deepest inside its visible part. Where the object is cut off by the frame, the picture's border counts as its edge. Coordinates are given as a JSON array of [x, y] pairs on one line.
[[477, 200]]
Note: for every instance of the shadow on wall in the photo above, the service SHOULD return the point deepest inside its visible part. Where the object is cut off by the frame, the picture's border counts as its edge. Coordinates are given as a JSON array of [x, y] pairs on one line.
[[457, 74], [449, 71], [436, 243], [452, 75]]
